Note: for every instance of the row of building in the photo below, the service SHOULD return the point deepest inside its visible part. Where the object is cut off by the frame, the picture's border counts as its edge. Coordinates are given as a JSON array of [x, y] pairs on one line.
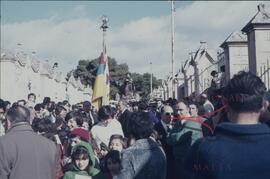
[[21, 74], [248, 50]]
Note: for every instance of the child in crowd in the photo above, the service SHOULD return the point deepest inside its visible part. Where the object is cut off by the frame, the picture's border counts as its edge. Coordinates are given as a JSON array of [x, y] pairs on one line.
[[117, 142], [113, 163], [83, 162]]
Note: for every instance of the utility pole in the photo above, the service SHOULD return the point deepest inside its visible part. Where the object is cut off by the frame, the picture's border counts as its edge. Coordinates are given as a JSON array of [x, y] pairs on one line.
[[172, 23], [151, 80]]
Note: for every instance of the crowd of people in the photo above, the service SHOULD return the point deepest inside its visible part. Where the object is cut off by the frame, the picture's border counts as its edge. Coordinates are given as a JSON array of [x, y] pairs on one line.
[[209, 137]]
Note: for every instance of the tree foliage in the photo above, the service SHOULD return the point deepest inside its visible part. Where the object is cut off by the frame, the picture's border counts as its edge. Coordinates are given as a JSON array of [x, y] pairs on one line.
[[87, 69], [142, 83]]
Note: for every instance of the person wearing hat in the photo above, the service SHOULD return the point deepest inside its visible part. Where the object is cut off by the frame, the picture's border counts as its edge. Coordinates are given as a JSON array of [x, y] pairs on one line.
[[79, 134], [83, 162]]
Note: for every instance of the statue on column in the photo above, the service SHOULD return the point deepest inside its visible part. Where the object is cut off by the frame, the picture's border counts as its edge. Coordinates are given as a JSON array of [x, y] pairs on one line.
[[127, 89]]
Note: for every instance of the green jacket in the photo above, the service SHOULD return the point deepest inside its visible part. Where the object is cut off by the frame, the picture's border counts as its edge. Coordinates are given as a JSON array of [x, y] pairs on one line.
[[92, 171]]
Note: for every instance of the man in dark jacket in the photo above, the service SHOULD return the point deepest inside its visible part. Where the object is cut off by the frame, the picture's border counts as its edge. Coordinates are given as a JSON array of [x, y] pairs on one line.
[[163, 128], [239, 148], [23, 153], [124, 117]]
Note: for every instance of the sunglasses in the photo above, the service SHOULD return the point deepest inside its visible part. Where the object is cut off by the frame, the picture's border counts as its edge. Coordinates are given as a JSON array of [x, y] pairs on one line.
[[168, 114]]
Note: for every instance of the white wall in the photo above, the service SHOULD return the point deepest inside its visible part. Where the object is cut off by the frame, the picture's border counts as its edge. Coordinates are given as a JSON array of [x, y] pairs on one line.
[[262, 48], [238, 58], [16, 77]]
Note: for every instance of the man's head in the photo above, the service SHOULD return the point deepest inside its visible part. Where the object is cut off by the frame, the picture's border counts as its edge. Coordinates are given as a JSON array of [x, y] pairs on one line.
[[141, 126], [31, 97], [87, 106], [66, 105], [166, 114], [60, 111], [245, 93], [214, 73], [2, 109], [122, 105], [46, 102], [193, 109], [181, 109], [105, 113], [39, 110], [18, 113], [203, 98]]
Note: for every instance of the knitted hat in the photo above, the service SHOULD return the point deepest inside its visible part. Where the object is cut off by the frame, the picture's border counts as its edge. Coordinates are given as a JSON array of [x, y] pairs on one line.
[[82, 133]]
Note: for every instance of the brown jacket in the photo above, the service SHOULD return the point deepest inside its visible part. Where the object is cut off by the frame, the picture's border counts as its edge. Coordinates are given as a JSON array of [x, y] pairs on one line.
[[26, 155]]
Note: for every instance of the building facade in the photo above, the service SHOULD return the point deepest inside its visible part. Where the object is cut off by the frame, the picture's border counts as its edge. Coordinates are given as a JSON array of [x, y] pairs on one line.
[[21, 74]]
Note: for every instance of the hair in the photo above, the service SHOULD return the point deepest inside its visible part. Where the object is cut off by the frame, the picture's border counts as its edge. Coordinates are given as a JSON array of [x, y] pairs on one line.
[[77, 116], [44, 125], [86, 104], [142, 106], [59, 109], [6, 103], [105, 112], [193, 103], [2, 105], [38, 107], [31, 94], [213, 73], [21, 100], [46, 100], [51, 106], [141, 125], [245, 92], [121, 138], [162, 110], [18, 113], [65, 102], [185, 102], [81, 151], [114, 156]]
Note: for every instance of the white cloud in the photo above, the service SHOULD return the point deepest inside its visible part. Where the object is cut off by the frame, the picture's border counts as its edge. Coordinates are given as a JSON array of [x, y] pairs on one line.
[[72, 36]]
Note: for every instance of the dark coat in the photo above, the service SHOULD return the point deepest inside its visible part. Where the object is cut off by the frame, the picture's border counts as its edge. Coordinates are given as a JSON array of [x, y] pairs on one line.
[[168, 149], [124, 119], [26, 155], [235, 152]]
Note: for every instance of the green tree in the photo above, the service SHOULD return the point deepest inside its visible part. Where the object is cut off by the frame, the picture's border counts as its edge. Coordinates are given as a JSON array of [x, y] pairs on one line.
[[142, 83], [87, 70]]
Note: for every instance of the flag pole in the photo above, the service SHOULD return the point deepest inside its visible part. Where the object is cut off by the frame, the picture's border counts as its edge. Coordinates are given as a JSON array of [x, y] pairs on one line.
[[172, 28]]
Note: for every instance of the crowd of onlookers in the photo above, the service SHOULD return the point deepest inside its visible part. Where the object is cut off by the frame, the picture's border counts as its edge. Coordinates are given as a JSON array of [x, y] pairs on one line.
[[225, 135]]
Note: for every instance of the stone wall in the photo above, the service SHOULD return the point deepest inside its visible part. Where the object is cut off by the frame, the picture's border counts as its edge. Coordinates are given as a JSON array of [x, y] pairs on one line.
[[22, 74]]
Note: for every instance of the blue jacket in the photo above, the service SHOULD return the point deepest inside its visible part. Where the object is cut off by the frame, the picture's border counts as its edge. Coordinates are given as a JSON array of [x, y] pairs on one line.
[[143, 160], [235, 152]]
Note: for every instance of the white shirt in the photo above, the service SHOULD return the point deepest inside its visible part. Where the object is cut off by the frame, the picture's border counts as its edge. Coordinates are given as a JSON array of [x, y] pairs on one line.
[[102, 133], [2, 129]]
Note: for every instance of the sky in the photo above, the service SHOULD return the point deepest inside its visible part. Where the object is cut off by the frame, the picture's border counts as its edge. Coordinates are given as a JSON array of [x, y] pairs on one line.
[[139, 31]]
